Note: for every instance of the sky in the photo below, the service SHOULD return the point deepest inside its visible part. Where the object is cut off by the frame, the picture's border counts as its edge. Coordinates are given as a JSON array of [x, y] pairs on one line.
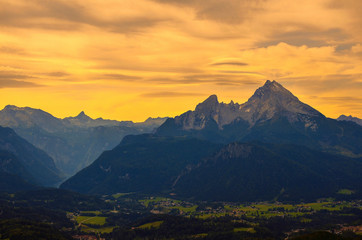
[[130, 60]]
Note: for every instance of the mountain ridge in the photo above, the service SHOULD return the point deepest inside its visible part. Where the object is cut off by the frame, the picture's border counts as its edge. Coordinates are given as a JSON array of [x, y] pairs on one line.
[[272, 113], [73, 142], [350, 118]]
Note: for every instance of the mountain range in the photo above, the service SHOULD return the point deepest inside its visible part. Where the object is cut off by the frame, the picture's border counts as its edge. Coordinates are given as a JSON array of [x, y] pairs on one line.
[[272, 114], [271, 147], [73, 142], [350, 118]]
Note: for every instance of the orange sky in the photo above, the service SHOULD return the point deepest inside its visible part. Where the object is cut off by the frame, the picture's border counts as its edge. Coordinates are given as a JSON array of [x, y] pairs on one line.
[[128, 60]]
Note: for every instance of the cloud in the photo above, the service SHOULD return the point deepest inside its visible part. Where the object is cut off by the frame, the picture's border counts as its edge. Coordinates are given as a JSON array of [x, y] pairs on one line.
[[353, 8], [343, 99], [12, 50], [229, 63], [4, 83], [346, 104], [69, 16], [9, 79], [242, 72], [328, 82], [6, 75], [309, 36], [169, 94], [224, 11], [57, 74], [217, 79], [120, 77]]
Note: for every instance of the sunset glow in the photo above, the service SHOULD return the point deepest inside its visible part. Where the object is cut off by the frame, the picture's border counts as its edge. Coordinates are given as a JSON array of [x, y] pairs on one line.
[[129, 60]]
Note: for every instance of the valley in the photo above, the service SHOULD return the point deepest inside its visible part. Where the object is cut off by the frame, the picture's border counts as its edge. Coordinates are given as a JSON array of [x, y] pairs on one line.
[[270, 168], [180, 120], [132, 216]]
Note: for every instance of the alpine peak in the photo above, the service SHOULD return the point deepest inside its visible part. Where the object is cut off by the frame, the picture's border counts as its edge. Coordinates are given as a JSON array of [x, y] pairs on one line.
[[270, 101], [82, 116], [210, 104]]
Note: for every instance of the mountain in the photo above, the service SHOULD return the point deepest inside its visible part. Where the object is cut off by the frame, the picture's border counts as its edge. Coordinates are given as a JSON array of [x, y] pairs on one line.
[[25, 118], [350, 118], [20, 158], [13, 175], [73, 142], [82, 120], [256, 172], [202, 170], [269, 101], [227, 152], [143, 163], [272, 114]]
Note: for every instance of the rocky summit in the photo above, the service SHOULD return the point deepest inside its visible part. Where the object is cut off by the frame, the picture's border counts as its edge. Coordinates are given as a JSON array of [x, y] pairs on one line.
[[268, 101], [272, 114]]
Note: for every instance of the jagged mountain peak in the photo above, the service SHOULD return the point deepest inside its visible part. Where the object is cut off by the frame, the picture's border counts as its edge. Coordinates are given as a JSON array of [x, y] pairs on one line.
[[210, 104], [83, 117], [273, 89], [350, 118], [273, 99], [270, 101]]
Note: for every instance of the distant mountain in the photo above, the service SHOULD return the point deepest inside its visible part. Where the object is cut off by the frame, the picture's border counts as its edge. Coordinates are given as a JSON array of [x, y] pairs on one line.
[[22, 159], [350, 118], [272, 114], [82, 120], [72, 142], [202, 170]]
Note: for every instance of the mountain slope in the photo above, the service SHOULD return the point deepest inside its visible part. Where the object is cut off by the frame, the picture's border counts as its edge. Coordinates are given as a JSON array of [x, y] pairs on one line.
[[22, 158], [10, 164], [203, 170], [143, 163], [272, 114], [251, 172], [72, 142]]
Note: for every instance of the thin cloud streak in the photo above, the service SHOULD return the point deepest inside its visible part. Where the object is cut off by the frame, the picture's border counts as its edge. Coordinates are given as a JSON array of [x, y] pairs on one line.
[[229, 63], [169, 94], [17, 84]]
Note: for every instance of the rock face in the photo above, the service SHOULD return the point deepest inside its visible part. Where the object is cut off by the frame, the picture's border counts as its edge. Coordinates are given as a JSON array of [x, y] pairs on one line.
[[268, 101], [72, 142], [273, 100], [350, 118], [272, 114]]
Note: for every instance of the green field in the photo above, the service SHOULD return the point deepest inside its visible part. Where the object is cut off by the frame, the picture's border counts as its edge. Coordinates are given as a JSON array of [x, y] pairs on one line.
[[251, 230], [97, 230], [156, 224], [118, 195], [91, 220], [156, 200], [186, 209], [91, 212], [346, 192]]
